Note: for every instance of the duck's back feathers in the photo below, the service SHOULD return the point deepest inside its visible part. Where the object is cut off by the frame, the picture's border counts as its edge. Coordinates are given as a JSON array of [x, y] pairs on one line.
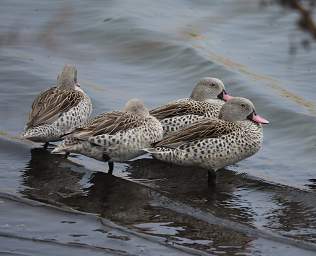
[[108, 123], [50, 104], [180, 108], [210, 128]]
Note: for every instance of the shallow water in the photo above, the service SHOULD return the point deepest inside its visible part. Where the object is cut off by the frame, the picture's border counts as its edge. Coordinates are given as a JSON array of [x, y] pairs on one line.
[[156, 51]]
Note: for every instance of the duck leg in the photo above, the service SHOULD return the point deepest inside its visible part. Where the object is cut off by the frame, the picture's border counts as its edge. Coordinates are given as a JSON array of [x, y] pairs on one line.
[[111, 166], [46, 145], [106, 158], [211, 179]]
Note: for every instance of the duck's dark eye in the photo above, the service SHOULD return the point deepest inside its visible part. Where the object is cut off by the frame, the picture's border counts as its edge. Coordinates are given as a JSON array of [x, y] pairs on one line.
[[243, 105], [212, 84]]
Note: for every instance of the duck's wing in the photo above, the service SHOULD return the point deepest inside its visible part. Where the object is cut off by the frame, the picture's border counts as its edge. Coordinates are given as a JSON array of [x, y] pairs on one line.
[[50, 104], [210, 128], [108, 123], [180, 108]]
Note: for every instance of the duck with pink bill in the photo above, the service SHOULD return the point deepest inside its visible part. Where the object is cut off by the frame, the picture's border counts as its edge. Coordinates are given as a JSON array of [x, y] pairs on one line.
[[206, 100], [212, 144]]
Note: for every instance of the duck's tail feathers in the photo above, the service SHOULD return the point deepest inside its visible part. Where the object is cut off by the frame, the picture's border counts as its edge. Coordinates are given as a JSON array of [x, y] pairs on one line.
[[67, 146], [65, 135], [150, 150], [62, 149], [33, 135]]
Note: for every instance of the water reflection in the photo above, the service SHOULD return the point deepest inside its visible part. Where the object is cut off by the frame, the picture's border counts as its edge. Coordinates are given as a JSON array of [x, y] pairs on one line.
[[294, 218], [51, 178], [58, 181], [189, 184], [237, 197]]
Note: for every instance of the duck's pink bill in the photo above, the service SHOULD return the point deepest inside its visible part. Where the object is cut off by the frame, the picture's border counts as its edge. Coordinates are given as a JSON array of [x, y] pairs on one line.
[[227, 97], [259, 119]]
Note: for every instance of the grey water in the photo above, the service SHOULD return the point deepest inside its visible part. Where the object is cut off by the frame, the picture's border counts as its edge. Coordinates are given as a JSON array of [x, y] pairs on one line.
[[156, 51]]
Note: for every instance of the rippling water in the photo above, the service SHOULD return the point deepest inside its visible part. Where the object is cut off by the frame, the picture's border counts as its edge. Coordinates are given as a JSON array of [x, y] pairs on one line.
[[156, 51]]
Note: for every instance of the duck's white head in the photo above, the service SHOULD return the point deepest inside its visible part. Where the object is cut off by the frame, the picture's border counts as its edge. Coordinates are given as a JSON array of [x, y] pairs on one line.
[[67, 79], [239, 109], [137, 107], [209, 88]]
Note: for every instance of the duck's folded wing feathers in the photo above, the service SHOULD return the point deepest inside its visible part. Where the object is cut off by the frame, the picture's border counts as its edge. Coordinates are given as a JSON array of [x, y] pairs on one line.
[[211, 128], [49, 105], [108, 123], [180, 108]]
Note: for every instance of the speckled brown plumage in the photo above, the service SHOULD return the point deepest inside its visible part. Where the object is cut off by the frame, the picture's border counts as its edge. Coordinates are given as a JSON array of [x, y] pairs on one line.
[[187, 107], [205, 101], [214, 143], [58, 110], [118, 135], [50, 104]]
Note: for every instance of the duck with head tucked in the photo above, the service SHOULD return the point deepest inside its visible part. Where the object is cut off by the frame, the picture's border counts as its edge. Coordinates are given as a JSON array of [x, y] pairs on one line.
[[215, 143], [115, 136], [206, 99], [58, 110]]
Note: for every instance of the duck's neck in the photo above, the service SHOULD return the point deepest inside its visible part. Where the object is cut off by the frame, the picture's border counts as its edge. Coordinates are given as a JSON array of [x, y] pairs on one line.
[[252, 131], [77, 88], [214, 101]]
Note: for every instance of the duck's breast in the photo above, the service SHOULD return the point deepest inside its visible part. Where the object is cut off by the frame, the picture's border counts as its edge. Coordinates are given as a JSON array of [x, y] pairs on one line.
[[75, 117], [216, 153]]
